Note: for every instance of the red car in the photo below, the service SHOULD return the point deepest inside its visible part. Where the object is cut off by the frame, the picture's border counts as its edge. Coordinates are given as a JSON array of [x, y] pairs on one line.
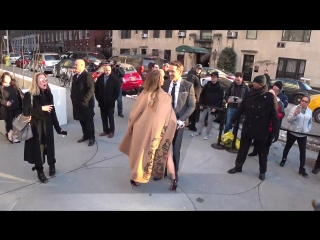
[[131, 81], [23, 62]]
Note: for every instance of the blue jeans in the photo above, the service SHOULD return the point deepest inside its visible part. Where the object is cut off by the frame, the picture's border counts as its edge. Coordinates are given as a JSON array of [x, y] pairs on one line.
[[230, 114], [119, 102]]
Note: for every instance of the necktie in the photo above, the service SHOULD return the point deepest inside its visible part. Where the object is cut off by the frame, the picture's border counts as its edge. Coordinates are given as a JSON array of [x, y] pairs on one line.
[[105, 80], [173, 94]]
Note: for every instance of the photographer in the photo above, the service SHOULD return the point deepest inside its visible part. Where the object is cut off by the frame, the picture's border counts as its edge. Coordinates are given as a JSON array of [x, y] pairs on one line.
[[118, 73], [211, 96]]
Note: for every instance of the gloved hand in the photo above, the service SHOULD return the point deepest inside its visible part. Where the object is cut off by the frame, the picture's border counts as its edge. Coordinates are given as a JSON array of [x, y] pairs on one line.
[[275, 136]]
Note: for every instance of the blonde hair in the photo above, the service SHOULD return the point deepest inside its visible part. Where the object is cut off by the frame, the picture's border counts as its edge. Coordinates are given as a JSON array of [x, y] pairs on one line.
[[152, 86], [34, 88]]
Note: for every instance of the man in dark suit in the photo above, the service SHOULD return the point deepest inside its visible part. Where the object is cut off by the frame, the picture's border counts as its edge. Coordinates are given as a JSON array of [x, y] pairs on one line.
[[107, 90], [183, 102], [82, 99]]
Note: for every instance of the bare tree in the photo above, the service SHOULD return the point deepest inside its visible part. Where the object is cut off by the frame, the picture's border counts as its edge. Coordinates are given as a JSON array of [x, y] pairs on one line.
[[266, 63]]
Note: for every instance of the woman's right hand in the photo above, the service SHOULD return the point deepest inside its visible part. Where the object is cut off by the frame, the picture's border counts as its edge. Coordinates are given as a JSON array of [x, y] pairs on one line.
[[47, 108], [297, 111], [8, 104]]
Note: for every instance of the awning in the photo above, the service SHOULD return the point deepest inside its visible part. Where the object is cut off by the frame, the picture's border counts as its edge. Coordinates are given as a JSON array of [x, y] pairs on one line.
[[191, 49]]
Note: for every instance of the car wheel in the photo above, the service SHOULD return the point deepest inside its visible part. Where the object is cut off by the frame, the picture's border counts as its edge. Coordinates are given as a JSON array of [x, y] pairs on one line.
[[217, 117], [297, 99], [316, 115]]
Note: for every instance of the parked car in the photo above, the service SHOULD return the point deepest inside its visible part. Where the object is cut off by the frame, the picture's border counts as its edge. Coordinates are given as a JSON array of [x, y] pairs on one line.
[[222, 73], [65, 64], [314, 105], [22, 62], [131, 81], [44, 62], [139, 62], [295, 89], [90, 57], [14, 57]]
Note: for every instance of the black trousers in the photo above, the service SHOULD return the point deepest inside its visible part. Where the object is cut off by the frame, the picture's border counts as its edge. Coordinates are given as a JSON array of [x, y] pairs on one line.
[[88, 129], [302, 143], [267, 145], [317, 165], [9, 120], [176, 146], [243, 152], [107, 116], [194, 117]]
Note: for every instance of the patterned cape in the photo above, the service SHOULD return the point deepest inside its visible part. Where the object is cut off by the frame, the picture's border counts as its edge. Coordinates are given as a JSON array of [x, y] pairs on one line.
[[149, 136]]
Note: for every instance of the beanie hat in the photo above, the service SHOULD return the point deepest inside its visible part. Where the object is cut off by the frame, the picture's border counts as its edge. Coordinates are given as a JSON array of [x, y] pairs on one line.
[[261, 79], [278, 84]]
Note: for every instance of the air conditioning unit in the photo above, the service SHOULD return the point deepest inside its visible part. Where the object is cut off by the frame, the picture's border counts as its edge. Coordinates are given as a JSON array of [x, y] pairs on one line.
[[231, 34], [144, 35], [181, 34]]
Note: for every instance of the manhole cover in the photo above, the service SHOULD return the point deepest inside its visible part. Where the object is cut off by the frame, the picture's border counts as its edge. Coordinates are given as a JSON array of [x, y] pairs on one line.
[[200, 200], [310, 162]]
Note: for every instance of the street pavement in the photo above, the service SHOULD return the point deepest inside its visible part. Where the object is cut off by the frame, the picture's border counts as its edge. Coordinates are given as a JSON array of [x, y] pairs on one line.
[[97, 177]]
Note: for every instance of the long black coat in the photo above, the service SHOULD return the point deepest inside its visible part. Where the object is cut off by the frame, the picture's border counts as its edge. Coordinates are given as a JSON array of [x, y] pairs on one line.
[[42, 123], [194, 78], [107, 95], [258, 114], [3, 104], [82, 98]]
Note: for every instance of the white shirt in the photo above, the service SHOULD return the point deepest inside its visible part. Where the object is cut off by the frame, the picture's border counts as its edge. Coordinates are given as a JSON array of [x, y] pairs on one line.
[[176, 91]]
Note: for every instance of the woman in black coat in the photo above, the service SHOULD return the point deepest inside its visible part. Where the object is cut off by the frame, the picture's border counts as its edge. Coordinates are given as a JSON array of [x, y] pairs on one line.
[[10, 103], [43, 119]]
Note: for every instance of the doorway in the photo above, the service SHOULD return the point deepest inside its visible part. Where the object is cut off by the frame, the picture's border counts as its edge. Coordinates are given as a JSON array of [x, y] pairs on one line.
[[247, 67], [143, 51], [180, 58]]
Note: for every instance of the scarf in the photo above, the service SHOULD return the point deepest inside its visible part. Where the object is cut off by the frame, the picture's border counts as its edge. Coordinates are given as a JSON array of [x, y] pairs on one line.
[[255, 94]]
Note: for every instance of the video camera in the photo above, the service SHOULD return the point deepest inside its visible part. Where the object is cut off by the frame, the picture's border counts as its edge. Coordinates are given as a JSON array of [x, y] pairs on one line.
[[115, 64]]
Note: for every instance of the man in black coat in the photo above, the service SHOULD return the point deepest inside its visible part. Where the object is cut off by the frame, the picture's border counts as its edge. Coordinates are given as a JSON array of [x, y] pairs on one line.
[[260, 108], [194, 77], [107, 90], [82, 99]]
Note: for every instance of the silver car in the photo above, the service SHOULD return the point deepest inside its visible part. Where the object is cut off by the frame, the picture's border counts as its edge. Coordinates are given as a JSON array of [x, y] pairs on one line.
[[14, 57], [44, 62]]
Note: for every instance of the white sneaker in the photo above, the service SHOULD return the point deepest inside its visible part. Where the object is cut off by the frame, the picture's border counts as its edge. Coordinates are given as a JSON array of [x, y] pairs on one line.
[[195, 134], [205, 137]]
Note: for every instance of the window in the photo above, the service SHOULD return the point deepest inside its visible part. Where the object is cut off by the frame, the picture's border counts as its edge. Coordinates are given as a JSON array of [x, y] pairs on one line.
[[137, 31], [125, 34], [145, 31], [124, 51], [304, 86], [87, 34], [168, 34], [281, 45], [156, 33], [48, 37], [57, 36], [252, 34], [296, 35], [52, 37], [205, 34], [44, 38], [70, 34], [80, 34], [75, 34], [291, 68], [52, 57], [41, 38], [65, 37], [184, 31], [155, 52], [61, 35]]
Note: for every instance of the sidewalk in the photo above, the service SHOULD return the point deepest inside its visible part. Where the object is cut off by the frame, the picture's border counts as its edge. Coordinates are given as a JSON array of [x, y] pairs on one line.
[[97, 178]]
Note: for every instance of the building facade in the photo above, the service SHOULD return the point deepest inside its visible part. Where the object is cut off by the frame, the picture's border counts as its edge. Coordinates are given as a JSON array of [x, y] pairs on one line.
[[294, 53]]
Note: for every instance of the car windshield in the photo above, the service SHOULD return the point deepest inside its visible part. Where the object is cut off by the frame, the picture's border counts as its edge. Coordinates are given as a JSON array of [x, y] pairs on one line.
[[93, 56], [52, 57], [129, 69], [306, 86], [14, 55]]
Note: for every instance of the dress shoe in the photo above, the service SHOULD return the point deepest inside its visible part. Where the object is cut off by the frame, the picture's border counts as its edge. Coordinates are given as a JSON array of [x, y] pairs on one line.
[[234, 170], [303, 173], [52, 170], [120, 115], [91, 142], [315, 170], [103, 134], [262, 176], [110, 135], [82, 140]]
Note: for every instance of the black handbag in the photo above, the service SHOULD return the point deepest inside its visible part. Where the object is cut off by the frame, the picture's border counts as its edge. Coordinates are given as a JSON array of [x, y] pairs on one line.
[[22, 127]]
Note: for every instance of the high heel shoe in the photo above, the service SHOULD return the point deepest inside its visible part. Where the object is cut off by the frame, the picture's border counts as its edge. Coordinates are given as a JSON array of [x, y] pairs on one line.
[[173, 185], [134, 184], [283, 162]]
